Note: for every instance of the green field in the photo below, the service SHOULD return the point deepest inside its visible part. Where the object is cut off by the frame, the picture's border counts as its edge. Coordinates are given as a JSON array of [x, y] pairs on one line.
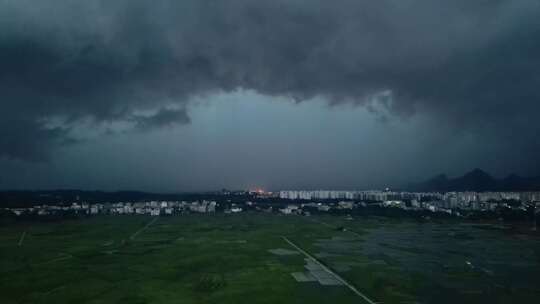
[[226, 259]]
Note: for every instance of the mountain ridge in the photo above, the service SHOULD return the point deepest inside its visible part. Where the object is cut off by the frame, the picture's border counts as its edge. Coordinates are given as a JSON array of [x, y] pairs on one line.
[[477, 180]]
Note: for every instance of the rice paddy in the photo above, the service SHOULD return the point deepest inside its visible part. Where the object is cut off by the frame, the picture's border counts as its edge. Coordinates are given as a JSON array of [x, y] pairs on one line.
[[265, 258]]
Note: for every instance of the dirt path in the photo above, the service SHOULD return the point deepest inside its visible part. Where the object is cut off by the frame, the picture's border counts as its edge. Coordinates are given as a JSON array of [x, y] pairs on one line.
[[21, 240], [334, 227], [134, 235], [65, 256]]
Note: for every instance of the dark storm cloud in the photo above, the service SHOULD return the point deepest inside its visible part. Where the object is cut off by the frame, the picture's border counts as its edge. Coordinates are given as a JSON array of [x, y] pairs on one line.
[[474, 64], [25, 138]]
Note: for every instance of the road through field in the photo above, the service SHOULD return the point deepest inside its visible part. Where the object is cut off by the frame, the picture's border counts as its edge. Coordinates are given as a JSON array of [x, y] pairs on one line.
[[335, 275]]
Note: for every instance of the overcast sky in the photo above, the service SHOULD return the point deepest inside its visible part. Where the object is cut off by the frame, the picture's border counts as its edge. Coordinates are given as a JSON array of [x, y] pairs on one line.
[[205, 94]]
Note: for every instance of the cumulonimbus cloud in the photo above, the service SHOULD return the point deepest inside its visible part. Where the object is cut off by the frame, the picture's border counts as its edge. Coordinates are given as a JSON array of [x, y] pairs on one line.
[[475, 64]]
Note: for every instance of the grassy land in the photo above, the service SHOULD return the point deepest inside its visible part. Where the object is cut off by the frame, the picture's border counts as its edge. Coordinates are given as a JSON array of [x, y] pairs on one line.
[[225, 259]]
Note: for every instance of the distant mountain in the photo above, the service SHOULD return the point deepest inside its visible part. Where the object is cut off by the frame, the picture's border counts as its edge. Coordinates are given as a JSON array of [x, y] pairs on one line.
[[477, 180]]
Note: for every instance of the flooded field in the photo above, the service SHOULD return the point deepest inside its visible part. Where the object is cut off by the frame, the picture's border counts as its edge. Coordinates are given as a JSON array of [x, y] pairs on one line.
[[438, 262]]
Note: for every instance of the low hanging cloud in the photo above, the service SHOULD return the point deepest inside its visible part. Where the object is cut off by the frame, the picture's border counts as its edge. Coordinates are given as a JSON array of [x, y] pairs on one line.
[[472, 64], [162, 118]]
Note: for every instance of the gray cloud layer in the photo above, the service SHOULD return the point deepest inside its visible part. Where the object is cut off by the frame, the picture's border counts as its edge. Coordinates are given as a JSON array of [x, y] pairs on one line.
[[473, 64]]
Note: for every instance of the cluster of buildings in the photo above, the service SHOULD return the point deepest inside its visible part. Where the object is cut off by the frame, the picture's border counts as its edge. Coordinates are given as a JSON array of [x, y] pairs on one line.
[[372, 195], [306, 208], [377, 195], [432, 201], [153, 208], [306, 202]]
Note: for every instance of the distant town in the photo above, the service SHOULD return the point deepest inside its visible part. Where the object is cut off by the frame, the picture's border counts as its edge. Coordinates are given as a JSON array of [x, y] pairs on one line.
[[500, 205]]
